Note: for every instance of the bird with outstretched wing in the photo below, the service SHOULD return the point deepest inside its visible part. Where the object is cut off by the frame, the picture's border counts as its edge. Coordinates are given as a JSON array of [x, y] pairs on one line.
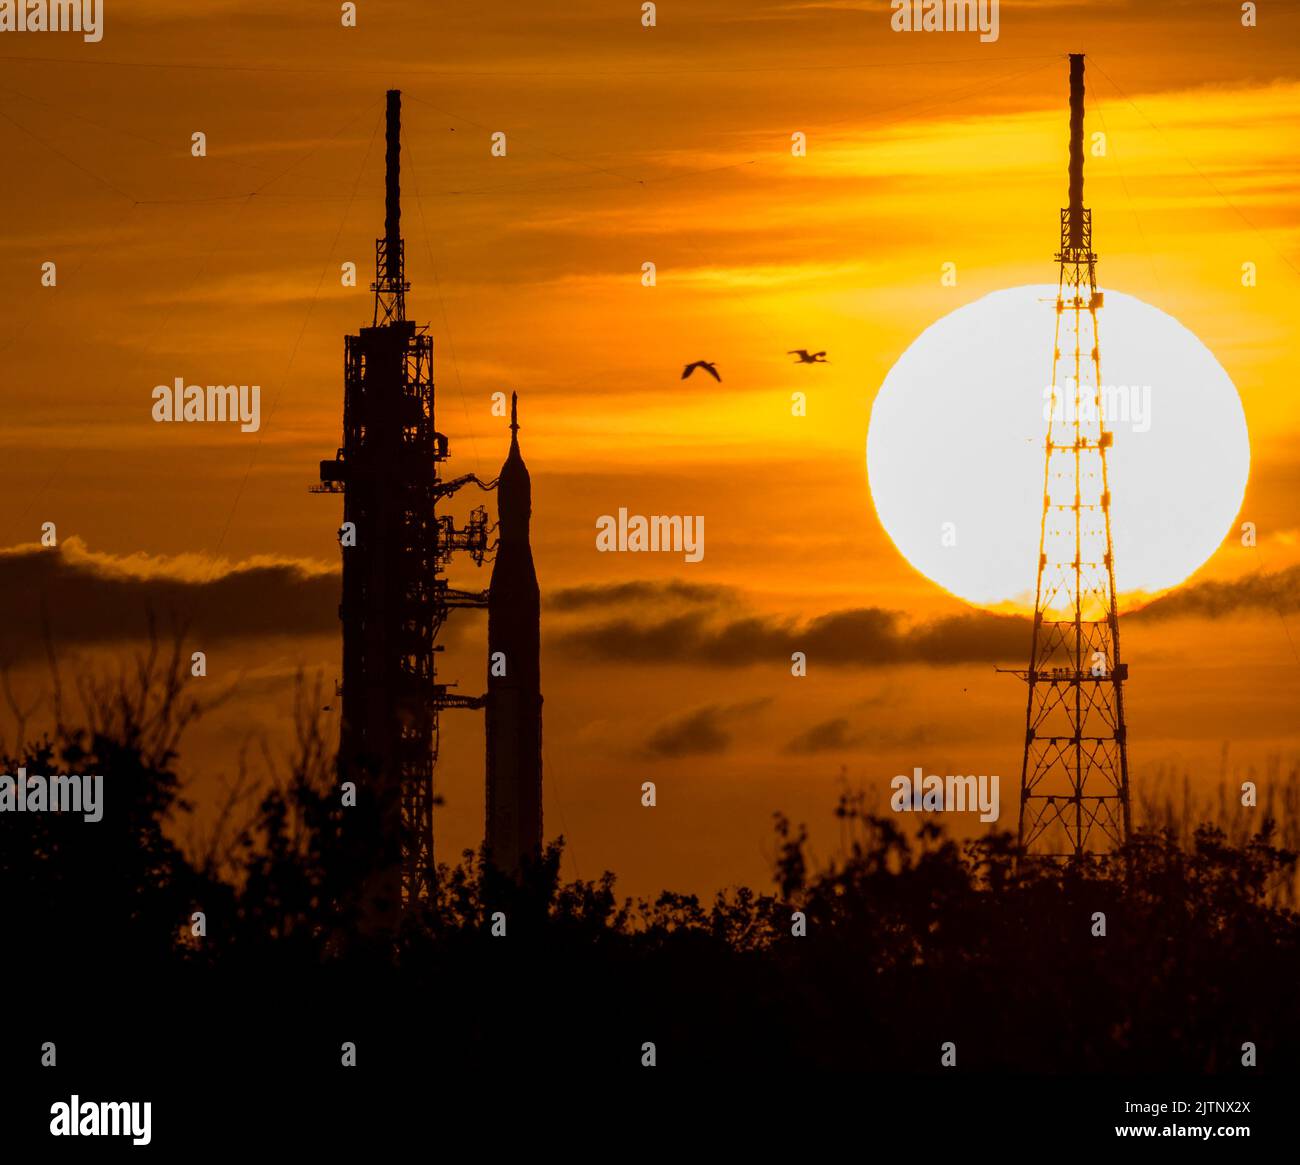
[[708, 367]]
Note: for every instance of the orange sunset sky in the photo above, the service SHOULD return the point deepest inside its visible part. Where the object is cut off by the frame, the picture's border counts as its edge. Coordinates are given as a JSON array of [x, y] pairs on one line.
[[628, 145]]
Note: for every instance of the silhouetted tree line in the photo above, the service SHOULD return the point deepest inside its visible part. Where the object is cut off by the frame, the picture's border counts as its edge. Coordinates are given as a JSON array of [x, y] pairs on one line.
[[912, 940]]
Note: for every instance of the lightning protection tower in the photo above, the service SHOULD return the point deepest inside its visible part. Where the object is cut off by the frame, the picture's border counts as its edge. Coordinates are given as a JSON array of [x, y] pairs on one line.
[[1074, 792]]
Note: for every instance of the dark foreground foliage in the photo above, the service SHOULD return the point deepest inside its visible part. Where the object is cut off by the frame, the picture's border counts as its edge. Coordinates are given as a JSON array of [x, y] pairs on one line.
[[912, 941]]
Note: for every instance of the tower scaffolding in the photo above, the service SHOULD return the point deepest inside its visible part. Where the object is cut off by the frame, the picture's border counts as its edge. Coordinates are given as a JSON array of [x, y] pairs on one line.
[[396, 548]]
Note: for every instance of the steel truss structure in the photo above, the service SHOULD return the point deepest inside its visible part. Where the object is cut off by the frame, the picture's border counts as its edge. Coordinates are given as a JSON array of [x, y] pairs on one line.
[[396, 548], [1074, 784]]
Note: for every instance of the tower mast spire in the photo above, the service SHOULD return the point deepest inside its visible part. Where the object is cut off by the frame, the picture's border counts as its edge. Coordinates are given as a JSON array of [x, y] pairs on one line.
[[1076, 150], [390, 286]]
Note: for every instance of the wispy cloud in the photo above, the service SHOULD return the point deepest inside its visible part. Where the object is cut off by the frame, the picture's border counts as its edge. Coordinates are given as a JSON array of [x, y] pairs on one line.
[[701, 634], [81, 598], [703, 732]]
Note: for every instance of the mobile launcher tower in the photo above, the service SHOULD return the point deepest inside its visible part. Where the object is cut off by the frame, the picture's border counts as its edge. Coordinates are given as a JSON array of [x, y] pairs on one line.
[[395, 595]]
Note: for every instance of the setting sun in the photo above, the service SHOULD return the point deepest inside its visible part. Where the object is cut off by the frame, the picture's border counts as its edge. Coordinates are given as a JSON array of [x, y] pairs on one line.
[[955, 446]]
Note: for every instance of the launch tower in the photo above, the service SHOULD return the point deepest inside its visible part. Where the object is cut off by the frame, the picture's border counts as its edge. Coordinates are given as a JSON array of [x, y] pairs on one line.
[[395, 550]]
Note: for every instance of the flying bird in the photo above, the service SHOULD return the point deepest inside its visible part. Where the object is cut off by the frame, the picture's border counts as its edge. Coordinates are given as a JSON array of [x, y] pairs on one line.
[[806, 357], [708, 367]]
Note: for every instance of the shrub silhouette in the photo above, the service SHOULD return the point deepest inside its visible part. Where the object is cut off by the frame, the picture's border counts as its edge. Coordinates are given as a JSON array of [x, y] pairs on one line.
[[912, 938]]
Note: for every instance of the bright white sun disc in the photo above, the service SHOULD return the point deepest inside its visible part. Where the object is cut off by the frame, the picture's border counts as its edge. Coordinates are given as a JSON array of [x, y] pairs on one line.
[[955, 445]]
